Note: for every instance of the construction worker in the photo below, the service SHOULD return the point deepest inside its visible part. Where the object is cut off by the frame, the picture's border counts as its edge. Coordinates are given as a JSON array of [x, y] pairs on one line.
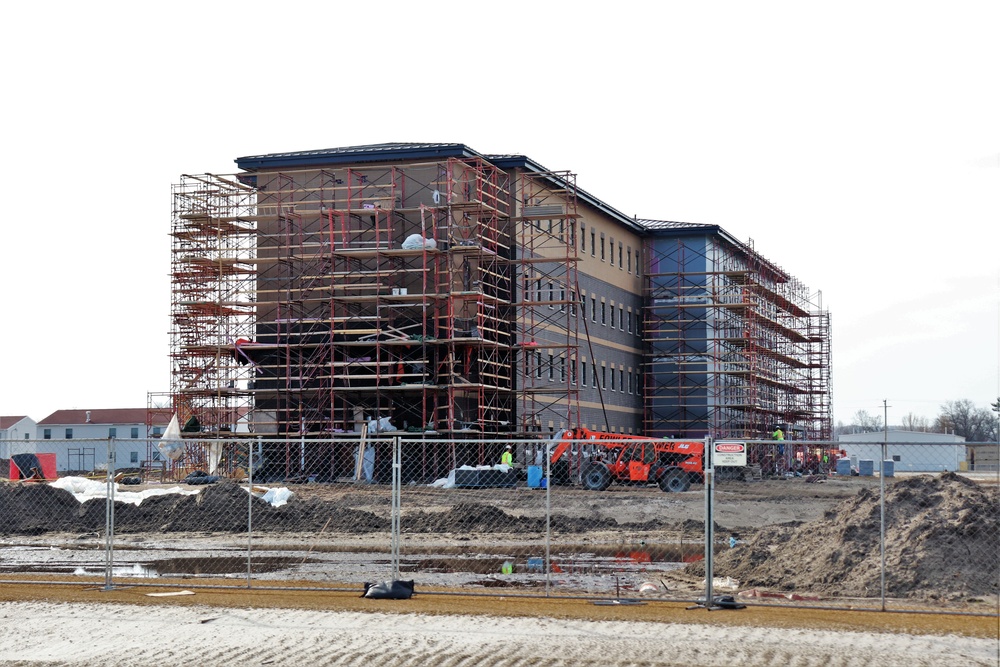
[[507, 458], [778, 433]]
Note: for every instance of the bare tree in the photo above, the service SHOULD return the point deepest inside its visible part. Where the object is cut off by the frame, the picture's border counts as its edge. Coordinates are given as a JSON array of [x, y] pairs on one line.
[[912, 422], [865, 422], [965, 419]]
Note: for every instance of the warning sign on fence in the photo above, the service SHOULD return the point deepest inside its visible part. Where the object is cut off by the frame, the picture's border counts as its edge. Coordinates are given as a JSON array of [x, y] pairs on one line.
[[729, 454]]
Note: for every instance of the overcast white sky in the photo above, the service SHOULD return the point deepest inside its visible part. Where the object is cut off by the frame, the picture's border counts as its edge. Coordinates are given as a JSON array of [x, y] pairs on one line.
[[856, 143]]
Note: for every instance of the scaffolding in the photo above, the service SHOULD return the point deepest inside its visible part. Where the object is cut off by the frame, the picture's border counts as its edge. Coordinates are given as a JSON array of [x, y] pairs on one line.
[[735, 346], [548, 303], [317, 301]]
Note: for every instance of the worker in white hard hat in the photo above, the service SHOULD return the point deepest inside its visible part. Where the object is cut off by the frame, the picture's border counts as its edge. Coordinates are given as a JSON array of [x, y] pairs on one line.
[[507, 458]]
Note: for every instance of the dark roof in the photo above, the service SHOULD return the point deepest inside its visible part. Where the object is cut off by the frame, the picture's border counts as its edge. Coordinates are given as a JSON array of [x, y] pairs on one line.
[[671, 224], [355, 154], [7, 422], [396, 151], [672, 228], [108, 416]]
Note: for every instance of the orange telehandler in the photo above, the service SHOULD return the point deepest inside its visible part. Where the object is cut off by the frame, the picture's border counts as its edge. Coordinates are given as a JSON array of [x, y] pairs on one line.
[[630, 459]]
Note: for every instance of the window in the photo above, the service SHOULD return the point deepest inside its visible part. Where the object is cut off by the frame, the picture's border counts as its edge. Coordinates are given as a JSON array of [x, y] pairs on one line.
[[611, 242], [562, 369], [112, 432], [572, 233], [135, 432], [69, 434], [552, 367], [593, 379], [572, 371], [593, 242], [562, 300], [630, 381], [157, 431], [47, 434], [638, 329], [612, 379], [895, 457], [583, 305], [583, 237], [133, 457], [621, 318], [628, 320], [621, 380], [638, 266], [604, 377], [612, 314], [538, 289], [629, 255], [572, 302], [603, 254], [583, 373], [604, 314], [619, 255], [552, 295], [27, 436], [538, 365], [593, 308]]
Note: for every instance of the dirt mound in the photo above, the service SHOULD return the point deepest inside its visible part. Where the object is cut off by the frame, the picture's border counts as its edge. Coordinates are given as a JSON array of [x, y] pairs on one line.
[[940, 539], [32, 509]]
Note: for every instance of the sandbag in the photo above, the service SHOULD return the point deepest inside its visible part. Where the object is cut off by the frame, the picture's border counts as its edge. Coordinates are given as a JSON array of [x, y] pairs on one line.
[[389, 590]]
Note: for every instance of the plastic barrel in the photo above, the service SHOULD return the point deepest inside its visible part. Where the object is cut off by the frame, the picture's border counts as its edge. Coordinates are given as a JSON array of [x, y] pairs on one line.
[[534, 476], [844, 467]]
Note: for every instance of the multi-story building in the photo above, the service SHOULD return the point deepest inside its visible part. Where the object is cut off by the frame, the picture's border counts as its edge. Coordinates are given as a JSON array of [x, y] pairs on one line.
[[434, 290]]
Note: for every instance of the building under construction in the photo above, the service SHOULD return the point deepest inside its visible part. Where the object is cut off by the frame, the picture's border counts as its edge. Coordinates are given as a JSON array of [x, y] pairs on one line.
[[436, 291]]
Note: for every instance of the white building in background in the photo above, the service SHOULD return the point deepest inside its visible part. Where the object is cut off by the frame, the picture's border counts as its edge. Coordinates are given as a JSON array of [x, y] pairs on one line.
[[910, 451], [79, 438], [14, 430]]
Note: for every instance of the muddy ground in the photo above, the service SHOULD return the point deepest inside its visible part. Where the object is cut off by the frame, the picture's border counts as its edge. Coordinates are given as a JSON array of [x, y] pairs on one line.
[[817, 538]]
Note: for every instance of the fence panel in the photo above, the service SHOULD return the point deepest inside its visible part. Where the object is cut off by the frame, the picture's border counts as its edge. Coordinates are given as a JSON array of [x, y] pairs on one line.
[[470, 521], [467, 521], [835, 531], [52, 512]]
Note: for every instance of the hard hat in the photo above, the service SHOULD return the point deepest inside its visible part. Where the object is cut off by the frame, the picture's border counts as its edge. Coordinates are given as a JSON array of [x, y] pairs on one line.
[[508, 446]]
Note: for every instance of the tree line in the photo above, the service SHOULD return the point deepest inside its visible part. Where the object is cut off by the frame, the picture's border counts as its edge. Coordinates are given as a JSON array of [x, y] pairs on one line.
[[963, 417]]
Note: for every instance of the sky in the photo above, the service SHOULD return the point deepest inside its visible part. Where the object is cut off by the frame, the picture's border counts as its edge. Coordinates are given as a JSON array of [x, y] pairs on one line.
[[857, 144]]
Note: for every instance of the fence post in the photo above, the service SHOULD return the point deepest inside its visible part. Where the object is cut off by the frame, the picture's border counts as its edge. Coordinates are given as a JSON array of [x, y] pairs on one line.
[[250, 454], [397, 484], [109, 518], [548, 448], [881, 522], [709, 520]]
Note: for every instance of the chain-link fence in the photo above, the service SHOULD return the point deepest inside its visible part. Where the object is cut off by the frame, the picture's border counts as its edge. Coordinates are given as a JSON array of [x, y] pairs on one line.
[[866, 525]]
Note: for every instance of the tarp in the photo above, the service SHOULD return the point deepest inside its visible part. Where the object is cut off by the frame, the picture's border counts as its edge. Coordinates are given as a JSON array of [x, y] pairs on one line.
[[170, 444]]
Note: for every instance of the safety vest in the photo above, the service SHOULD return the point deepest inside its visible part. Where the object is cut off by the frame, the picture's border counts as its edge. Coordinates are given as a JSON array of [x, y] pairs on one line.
[[506, 458], [779, 435]]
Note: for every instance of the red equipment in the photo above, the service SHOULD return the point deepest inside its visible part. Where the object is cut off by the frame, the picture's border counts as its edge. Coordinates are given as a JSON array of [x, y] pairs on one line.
[[633, 459]]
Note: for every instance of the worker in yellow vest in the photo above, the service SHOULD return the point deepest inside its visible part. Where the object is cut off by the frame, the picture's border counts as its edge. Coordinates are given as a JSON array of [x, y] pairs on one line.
[[507, 458], [778, 433]]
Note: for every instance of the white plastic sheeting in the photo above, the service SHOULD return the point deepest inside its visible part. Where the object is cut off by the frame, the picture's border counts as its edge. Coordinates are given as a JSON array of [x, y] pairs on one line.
[[84, 489], [449, 481]]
